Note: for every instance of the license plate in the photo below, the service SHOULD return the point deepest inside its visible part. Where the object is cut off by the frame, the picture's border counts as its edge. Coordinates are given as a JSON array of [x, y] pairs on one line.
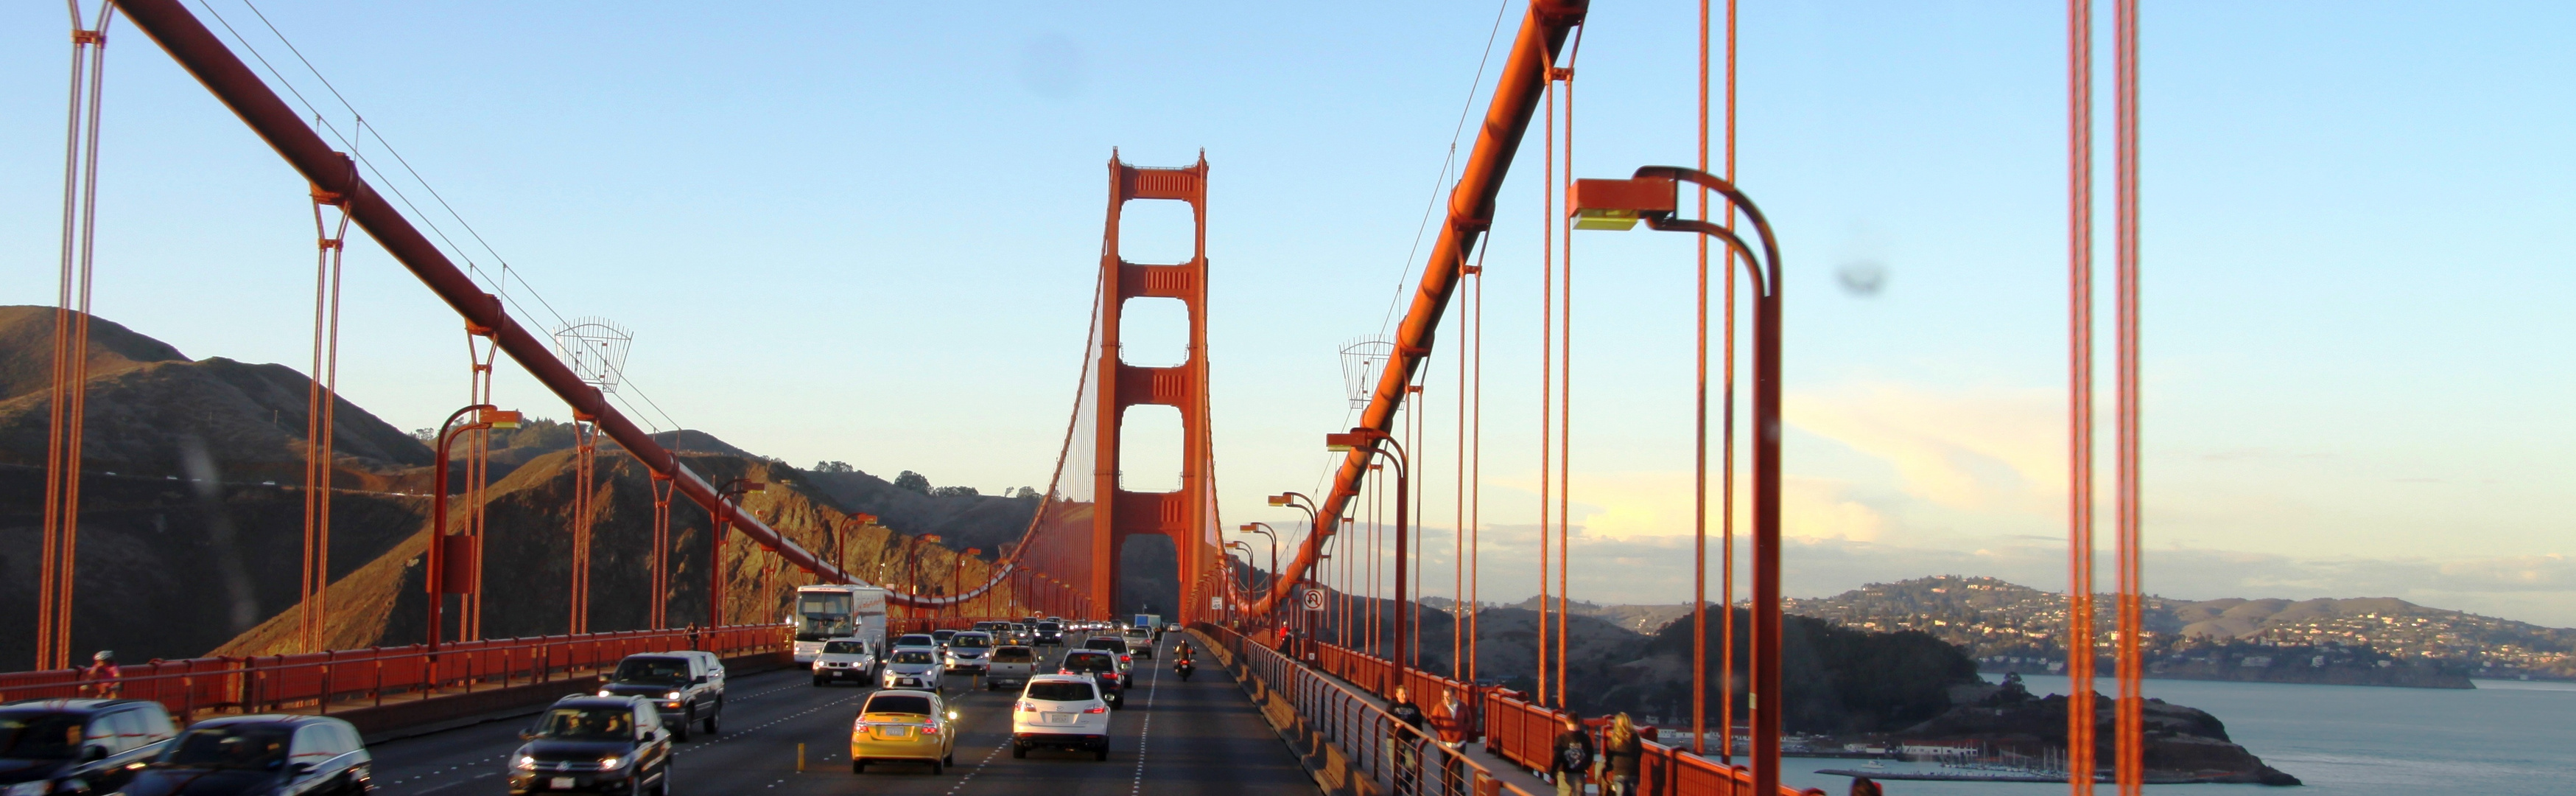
[[1059, 718], [560, 783], [897, 732]]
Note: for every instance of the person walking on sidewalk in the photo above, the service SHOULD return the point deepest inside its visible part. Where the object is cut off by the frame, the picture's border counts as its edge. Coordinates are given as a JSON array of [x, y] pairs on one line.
[[1574, 758], [1406, 738], [1624, 751], [1451, 720]]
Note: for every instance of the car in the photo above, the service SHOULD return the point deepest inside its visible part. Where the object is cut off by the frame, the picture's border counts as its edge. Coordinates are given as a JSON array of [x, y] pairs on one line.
[[687, 686], [1013, 633], [902, 726], [1117, 647], [844, 659], [1061, 711], [1171, 627], [1012, 666], [913, 667], [967, 652], [914, 640], [1048, 634], [266, 754], [942, 636], [47, 745], [1102, 669], [1140, 642], [594, 744]]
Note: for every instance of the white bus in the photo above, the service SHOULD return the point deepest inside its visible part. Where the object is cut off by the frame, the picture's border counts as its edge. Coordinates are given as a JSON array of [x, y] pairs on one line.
[[822, 613]]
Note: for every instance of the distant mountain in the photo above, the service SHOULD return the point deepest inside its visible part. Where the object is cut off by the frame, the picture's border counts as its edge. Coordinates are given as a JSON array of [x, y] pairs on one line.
[[1996, 619]]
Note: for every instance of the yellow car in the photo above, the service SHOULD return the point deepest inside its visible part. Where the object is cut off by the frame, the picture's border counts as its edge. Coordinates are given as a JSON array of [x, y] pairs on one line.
[[903, 727]]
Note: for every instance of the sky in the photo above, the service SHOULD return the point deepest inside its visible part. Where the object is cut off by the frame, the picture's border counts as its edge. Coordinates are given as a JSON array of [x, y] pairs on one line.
[[871, 235]]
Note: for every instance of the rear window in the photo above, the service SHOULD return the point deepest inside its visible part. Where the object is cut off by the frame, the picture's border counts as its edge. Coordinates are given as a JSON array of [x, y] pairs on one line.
[[1111, 644], [254, 746], [1015, 655], [898, 703], [1088, 663], [652, 671], [1061, 692]]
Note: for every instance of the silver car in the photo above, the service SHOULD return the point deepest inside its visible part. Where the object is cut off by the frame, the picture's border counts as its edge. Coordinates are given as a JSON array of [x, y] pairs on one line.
[[970, 651], [913, 667]]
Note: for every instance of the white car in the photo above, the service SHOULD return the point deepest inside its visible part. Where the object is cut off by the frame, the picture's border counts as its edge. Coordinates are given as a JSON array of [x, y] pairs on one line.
[[1060, 711], [912, 667], [844, 659], [970, 651]]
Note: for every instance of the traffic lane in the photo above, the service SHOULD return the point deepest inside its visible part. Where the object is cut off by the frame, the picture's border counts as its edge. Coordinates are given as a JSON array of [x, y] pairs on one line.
[[984, 732], [444, 762]]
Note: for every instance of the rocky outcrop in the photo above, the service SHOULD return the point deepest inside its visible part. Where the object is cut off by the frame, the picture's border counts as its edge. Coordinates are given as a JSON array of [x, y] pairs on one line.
[[2182, 744]]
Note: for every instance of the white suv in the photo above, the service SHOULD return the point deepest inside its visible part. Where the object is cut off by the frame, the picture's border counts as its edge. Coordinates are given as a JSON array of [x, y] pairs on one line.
[[844, 658], [1060, 711]]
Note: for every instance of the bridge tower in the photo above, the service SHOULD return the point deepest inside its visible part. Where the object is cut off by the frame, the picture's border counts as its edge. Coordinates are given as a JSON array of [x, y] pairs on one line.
[[1186, 516]]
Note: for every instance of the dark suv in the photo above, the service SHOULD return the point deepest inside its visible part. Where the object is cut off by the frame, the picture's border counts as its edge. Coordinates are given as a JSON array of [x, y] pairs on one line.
[[262, 755], [687, 687], [595, 745], [77, 745], [1102, 668], [1049, 633]]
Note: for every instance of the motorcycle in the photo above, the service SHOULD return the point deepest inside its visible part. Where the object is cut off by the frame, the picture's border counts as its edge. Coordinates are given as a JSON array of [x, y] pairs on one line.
[[1184, 667]]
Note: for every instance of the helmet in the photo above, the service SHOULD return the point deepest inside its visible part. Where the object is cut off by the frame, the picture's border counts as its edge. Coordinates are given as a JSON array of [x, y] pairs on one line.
[[104, 655]]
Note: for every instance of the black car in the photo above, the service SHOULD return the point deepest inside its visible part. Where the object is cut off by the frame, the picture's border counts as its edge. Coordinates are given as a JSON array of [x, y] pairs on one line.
[[592, 744], [1103, 671], [259, 755], [77, 745], [1049, 633]]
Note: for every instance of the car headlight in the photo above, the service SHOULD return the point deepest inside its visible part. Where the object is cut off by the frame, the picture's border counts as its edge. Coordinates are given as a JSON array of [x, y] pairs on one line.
[[604, 692], [524, 763], [672, 695], [611, 761]]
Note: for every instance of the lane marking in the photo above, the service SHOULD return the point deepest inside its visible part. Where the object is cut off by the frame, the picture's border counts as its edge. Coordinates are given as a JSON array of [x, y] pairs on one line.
[[1151, 687]]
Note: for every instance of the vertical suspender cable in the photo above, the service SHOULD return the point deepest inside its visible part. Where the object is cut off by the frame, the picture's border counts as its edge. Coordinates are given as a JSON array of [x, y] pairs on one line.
[[2079, 583], [1565, 385], [1546, 373], [67, 413], [1726, 446], [2128, 765], [1699, 440], [1476, 473], [321, 424]]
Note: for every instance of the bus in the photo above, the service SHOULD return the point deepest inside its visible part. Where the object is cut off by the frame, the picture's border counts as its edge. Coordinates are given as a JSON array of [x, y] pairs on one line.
[[823, 613]]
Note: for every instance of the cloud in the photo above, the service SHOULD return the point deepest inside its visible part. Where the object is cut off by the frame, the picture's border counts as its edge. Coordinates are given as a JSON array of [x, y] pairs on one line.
[[1658, 503], [1981, 449]]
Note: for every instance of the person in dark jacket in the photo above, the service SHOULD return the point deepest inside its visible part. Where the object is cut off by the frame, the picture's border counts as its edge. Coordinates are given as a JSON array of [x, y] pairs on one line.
[[1574, 757], [1406, 739], [1623, 750]]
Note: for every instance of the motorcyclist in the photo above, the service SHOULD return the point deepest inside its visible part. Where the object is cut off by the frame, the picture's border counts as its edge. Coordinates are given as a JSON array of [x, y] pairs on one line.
[[1182, 663]]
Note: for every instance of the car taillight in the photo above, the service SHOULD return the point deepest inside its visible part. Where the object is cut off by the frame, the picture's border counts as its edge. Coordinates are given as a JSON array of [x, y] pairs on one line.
[[1064, 671], [1026, 707], [1102, 709], [930, 729], [1125, 659]]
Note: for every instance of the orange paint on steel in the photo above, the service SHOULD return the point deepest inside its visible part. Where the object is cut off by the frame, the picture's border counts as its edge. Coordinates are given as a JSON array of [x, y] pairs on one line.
[[1516, 94], [1699, 440], [2079, 583], [321, 423], [1547, 364], [2128, 762], [1726, 445]]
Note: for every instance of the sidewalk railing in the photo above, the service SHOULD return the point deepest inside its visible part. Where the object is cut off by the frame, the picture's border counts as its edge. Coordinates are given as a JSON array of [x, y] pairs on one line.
[[1397, 758], [346, 679], [1525, 734]]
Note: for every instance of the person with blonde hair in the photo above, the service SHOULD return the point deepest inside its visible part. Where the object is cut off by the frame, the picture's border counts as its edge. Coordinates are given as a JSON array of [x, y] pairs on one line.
[[1623, 751]]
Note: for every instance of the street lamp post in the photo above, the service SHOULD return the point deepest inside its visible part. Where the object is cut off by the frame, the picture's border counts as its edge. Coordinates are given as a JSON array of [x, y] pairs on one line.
[[485, 416], [1247, 569], [1367, 440], [1652, 195], [1264, 529], [1305, 620]]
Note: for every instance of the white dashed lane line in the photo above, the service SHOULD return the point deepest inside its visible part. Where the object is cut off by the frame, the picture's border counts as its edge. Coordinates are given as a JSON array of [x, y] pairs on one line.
[[1142, 732]]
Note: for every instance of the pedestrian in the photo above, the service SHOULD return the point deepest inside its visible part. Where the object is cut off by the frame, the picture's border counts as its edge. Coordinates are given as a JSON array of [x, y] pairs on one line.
[[1452, 721], [1861, 786], [1406, 740], [1624, 750], [1574, 757], [107, 681]]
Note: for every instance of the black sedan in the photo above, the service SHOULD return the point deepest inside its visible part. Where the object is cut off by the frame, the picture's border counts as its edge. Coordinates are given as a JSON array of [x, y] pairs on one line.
[[262, 755], [593, 744]]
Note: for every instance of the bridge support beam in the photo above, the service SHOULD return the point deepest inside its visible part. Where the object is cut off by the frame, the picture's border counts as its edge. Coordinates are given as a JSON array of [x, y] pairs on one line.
[[1186, 516]]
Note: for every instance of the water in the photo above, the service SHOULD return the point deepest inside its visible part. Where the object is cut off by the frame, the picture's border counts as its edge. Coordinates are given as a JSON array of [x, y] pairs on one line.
[[2506, 738]]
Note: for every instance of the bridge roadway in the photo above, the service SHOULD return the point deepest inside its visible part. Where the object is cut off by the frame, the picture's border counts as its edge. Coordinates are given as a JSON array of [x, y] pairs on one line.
[[1197, 737]]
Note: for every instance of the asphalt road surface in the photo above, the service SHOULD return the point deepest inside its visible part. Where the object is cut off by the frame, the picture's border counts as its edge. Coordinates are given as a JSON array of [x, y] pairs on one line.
[[1198, 737]]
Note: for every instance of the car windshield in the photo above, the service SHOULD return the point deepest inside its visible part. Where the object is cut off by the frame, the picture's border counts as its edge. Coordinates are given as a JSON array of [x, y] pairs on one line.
[[652, 671], [1014, 655], [1061, 692], [971, 640], [898, 703], [943, 635], [844, 648], [588, 724], [912, 656], [39, 736], [260, 746], [1087, 663], [916, 640], [1049, 627]]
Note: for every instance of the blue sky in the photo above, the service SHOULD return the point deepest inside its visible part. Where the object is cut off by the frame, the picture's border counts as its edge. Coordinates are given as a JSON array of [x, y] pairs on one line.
[[870, 235]]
